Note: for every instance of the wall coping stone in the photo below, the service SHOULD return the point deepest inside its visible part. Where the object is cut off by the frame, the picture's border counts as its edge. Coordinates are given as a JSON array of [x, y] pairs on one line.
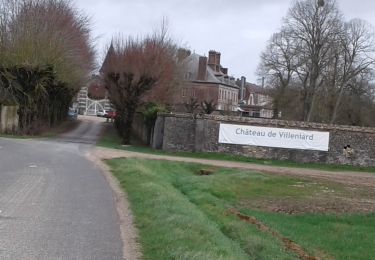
[[272, 122]]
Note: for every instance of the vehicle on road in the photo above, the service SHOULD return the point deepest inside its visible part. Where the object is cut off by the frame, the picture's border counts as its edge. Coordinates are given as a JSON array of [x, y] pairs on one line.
[[72, 114], [110, 114], [101, 113]]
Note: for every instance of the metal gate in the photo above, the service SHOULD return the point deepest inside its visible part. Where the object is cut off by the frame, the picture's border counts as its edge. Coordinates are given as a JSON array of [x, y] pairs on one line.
[[90, 107]]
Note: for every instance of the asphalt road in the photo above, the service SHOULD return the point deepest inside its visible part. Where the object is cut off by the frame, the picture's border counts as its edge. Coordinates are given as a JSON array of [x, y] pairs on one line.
[[54, 203]]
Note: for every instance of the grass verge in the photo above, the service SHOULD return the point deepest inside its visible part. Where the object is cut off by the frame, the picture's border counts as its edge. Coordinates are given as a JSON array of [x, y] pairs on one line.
[[59, 129], [182, 215]]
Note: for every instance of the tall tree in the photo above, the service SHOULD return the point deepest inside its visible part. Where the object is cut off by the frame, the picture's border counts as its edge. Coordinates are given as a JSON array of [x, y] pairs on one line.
[[139, 69], [357, 47], [322, 57], [46, 56], [315, 25]]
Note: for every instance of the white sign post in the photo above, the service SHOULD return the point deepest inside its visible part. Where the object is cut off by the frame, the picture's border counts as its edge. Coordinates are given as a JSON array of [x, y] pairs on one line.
[[274, 137]]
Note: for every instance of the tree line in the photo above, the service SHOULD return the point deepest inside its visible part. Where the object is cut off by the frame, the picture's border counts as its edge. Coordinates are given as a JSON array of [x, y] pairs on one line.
[[46, 55], [320, 67]]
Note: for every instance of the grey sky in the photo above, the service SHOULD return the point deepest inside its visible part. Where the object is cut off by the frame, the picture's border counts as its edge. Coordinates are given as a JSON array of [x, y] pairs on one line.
[[239, 29]]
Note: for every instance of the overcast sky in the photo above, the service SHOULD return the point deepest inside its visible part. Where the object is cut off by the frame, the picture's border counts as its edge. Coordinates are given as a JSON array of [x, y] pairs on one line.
[[239, 29]]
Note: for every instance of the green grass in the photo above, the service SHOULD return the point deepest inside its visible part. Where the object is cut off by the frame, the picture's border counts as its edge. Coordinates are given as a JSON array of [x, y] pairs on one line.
[[110, 139], [181, 215], [343, 237], [10, 136]]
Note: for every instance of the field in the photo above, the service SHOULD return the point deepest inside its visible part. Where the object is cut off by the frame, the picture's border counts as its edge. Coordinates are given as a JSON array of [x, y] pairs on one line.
[[190, 211]]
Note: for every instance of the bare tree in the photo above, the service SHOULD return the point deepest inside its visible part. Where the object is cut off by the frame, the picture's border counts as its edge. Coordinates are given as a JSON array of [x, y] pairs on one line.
[[46, 56], [138, 70], [51, 32], [322, 57], [357, 56], [314, 24], [278, 64]]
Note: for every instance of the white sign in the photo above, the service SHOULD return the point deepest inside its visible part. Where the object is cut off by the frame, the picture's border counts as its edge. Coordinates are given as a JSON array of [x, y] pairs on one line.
[[274, 137]]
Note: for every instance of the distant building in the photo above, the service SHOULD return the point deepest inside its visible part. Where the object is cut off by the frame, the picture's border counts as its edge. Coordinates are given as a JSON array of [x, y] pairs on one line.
[[206, 80], [254, 100]]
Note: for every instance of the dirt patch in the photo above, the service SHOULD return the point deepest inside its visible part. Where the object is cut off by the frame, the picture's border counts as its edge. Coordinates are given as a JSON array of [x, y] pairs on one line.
[[349, 179], [311, 205], [326, 198], [205, 172], [288, 244]]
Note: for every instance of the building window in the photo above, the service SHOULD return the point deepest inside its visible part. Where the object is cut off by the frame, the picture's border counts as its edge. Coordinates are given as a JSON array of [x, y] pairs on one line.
[[184, 91], [188, 75]]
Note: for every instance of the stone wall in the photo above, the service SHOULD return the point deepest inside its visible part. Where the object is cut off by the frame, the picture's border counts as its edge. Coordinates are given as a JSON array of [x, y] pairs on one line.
[[139, 129], [8, 119], [183, 132], [179, 133]]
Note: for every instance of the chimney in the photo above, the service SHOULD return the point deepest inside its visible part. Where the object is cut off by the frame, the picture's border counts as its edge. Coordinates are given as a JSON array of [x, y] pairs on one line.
[[243, 84], [224, 71], [214, 60], [211, 57], [217, 61], [202, 68]]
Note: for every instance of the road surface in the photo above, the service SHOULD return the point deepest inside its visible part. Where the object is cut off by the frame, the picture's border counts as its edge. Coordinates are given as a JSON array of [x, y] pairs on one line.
[[54, 203]]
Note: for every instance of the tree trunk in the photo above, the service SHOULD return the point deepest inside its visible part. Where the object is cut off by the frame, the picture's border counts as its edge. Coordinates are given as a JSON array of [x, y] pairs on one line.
[[124, 125], [312, 90], [337, 104], [311, 107]]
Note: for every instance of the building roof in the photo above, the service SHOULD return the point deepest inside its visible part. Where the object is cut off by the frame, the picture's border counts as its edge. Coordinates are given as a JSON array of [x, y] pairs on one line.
[[106, 61], [256, 88], [192, 65]]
